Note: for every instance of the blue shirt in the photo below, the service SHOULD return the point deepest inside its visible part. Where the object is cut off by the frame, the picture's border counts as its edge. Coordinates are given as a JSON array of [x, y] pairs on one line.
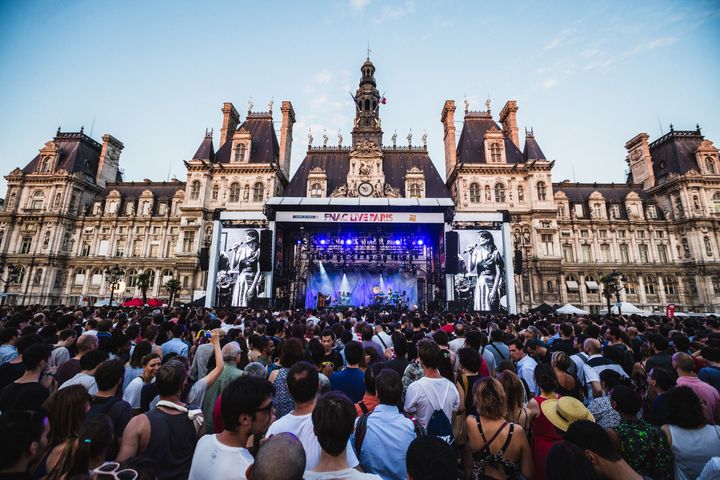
[[7, 353], [387, 438], [710, 375], [175, 345], [350, 381]]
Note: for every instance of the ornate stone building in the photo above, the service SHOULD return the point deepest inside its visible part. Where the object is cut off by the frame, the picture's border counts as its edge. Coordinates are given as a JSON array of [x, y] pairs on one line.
[[68, 214]]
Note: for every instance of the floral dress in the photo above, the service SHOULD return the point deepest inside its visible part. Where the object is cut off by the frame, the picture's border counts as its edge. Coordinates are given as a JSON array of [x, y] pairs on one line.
[[644, 447], [282, 401]]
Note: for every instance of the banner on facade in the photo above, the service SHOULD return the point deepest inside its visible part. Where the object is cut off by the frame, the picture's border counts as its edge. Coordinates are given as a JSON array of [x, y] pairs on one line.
[[360, 217], [237, 269], [480, 285]]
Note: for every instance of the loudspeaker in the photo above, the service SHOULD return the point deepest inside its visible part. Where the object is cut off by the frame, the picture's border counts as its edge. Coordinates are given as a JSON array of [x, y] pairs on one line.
[[266, 260], [517, 262], [204, 258], [452, 266]]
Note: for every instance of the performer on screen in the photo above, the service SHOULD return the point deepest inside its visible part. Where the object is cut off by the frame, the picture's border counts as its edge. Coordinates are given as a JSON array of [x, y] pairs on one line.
[[485, 261], [245, 261]]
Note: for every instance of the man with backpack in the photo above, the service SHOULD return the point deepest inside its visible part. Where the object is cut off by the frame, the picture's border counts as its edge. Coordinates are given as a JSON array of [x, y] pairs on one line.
[[382, 437], [433, 399], [109, 377]]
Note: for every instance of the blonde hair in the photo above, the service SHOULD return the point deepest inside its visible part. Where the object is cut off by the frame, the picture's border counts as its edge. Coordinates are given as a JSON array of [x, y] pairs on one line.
[[514, 394], [489, 397]]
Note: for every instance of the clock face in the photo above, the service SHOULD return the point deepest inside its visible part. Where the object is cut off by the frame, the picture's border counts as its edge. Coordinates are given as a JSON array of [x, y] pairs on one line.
[[365, 189]]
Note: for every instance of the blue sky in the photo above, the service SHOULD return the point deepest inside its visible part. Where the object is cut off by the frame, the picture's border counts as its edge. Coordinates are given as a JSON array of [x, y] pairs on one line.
[[587, 75]]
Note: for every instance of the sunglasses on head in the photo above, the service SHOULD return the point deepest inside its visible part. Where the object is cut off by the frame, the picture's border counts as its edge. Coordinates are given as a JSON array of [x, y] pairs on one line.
[[112, 469]]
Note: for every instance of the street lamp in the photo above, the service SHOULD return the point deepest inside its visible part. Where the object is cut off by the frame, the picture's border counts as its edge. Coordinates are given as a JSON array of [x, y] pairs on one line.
[[113, 276], [614, 283], [13, 274]]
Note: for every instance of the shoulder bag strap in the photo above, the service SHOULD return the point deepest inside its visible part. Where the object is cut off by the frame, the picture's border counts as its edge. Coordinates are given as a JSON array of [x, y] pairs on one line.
[[360, 431]]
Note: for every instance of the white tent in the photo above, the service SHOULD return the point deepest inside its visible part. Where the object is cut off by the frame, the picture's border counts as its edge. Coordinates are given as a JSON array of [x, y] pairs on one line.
[[569, 309], [105, 302], [627, 309]]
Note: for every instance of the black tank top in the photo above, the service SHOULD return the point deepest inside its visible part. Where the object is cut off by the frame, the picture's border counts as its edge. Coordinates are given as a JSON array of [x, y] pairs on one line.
[[172, 443]]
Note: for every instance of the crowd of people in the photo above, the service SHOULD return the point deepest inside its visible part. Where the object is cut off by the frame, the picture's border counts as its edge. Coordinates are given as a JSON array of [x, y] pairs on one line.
[[176, 393]]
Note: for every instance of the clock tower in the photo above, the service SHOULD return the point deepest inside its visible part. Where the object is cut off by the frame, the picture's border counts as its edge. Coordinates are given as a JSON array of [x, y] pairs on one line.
[[367, 108]]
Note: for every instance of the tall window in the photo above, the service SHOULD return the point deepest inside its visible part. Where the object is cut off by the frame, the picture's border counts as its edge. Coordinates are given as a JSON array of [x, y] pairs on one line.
[[415, 190], [316, 190], [615, 211], [586, 253], [624, 253], [85, 249], [568, 254], [240, 153], [652, 212], [79, 276], [605, 250], [541, 191], [643, 251], [215, 192], [521, 194], [25, 245], [561, 211], [710, 165], [258, 192], [495, 153], [716, 202], [669, 285], [596, 210], [650, 285], [475, 193], [662, 253], [500, 193], [631, 286], [188, 241], [548, 248], [131, 276], [37, 200], [234, 193], [195, 190], [137, 248]]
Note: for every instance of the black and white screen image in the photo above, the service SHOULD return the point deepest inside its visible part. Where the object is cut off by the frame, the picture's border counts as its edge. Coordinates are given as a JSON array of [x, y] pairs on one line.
[[239, 279], [480, 285]]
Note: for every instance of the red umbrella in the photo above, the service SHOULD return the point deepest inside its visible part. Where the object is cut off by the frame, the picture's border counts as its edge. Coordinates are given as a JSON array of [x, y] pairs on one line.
[[154, 302], [133, 302]]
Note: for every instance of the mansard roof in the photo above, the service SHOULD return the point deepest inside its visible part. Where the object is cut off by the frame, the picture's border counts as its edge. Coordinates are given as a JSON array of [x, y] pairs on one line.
[[136, 189], [78, 153], [396, 162], [532, 149], [611, 192], [471, 147], [205, 151], [674, 152], [265, 147]]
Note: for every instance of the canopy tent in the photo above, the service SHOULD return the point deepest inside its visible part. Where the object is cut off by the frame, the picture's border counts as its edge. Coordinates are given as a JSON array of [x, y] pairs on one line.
[[543, 308], [133, 302], [569, 309], [105, 302], [627, 309], [154, 302]]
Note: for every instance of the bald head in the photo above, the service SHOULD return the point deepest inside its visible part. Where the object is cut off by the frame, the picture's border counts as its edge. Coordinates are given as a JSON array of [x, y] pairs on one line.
[[281, 457], [592, 346], [230, 352], [683, 362], [86, 342]]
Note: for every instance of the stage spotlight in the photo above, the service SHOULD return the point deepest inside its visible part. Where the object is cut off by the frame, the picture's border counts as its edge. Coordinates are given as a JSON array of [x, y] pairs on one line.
[[322, 241], [397, 242], [299, 242], [420, 242]]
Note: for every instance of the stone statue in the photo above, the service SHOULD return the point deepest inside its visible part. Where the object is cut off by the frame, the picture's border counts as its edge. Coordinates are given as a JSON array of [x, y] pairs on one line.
[[365, 168], [270, 104], [394, 138], [409, 138], [325, 138], [340, 139], [424, 139], [250, 105], [310, 137], [467, 105], [487, 104]]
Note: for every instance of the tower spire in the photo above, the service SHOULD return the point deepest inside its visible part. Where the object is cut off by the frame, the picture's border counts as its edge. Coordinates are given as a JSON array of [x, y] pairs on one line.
[[367, 106]]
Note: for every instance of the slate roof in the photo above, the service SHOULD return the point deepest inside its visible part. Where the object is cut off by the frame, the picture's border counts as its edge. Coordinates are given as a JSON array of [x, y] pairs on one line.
[[205, 151], [396, 163], [675, 152], [265, 147], [470, 147], [78, 154], [613, 193], [135, 189], [532, 149]]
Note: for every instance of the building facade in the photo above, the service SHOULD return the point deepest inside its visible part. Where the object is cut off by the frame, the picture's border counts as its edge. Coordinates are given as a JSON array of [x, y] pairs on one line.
[[68, 215]]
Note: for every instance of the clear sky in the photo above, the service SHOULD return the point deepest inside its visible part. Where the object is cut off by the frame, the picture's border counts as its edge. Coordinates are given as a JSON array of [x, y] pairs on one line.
[[587, 75]]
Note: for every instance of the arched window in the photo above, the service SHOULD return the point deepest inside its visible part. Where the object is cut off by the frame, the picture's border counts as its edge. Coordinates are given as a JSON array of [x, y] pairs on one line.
[[415, 190], [710, 165], [131, 276], [234, 193], [166, 275], [650, 285], [500, 193], [316, 190], [495, 153], [79, 276], [240, 153], [195, 190], [670, 287], [151, 282], [96, 278], [258, 192], [549, 286], [521, 194], [38, 198], [474, 193], [541, 191], [215, 192]]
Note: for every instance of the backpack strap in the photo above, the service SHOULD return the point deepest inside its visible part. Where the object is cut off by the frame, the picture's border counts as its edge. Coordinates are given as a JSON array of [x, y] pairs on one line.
[[360, 431], [381, 341], [363, 407], [497, 350], [419, 429]]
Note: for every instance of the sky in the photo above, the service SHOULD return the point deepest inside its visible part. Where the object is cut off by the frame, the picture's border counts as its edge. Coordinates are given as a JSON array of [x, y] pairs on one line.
[[587, 75]]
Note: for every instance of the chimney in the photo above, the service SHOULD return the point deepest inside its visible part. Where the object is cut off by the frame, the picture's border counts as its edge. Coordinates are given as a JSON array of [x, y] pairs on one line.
[[230, 123], [288, 118], [640, 160], [448, 120], [508, 119], [109, 160]]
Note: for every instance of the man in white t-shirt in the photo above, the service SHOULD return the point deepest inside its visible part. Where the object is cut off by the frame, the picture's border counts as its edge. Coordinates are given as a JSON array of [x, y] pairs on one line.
[[433, 391], [303, 384], [246, 408], [88, 364]]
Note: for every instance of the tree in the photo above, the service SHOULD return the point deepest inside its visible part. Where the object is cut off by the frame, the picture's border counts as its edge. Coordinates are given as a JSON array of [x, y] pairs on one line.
[[173, 286], [143, 283]]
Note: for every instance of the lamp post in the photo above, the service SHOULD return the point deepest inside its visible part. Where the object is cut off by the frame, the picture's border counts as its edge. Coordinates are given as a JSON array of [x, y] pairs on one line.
[[113, 276], [13, 273], [614, 283]]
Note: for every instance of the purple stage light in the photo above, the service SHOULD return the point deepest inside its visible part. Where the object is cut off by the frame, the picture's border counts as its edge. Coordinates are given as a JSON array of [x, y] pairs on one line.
[[397, 242], [322, 242], [420, 242]]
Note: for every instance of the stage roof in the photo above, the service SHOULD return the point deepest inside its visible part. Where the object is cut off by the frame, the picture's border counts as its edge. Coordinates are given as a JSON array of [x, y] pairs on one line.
[[281, 203]]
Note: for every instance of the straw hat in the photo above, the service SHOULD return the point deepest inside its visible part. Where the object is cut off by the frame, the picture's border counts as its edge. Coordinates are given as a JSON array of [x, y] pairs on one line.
[[564, 411]]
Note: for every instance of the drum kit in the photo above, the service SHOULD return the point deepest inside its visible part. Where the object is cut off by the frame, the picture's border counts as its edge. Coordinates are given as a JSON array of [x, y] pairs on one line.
[[391, 298]]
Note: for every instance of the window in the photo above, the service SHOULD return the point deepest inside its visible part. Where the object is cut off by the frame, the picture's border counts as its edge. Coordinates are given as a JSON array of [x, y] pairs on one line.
[[549, 286], [572, 284], [568, 254], [96, 278], [710, 165], [621, 233], [596, 210], [716, 285], [692, 286], [215, 191], [640, 234], [195, 190], [475, 193], [605, 251], [188, 241], [615, 211], [258, 192], [240, 152], [37, 200], [586, 253], [131, 276], [662, 253], [561, 211], [652, 211], [154, 250], [602, 233], [234, 193], [85, 249], [584, 233], [624, 253], [643, 250], [79, 276], [541, 191], [25, 245], [129, 207], [547, 244], [631, 286], [669, 283], [495, 153], [578, 209], [137, 248], [650, 286], [151, 280], [415, 190], [521, 194], [316, 190], [500, 193]]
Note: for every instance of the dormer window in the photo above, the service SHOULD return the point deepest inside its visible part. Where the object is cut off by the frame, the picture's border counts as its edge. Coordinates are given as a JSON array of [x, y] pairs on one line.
[[710, 165], [415, 191], [495, 153], [240, 151], [195, 190], [615, 211], [652, 211], [316, 190]]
